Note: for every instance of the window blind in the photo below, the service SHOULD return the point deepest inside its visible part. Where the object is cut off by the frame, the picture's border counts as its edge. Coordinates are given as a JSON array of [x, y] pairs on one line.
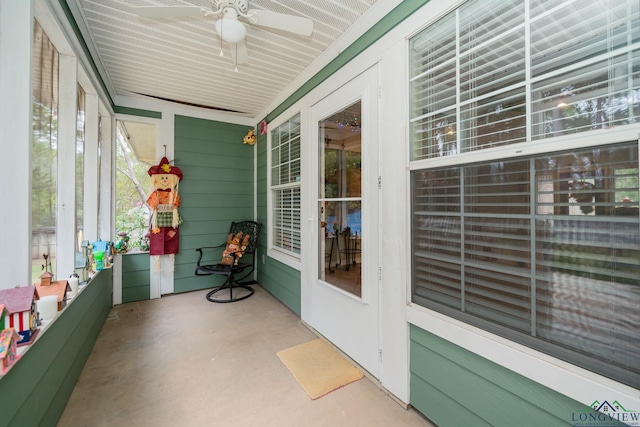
[[546, 248], [583, 61], [286, 221]]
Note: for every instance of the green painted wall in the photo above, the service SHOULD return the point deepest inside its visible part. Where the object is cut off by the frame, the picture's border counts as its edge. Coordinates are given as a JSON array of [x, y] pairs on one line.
[[280, 280], [136, 281], [216, 189], [455, 387], [35, 391]]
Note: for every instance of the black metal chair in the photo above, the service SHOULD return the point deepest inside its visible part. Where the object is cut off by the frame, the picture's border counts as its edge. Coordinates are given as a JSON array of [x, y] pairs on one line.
[[235, 272]]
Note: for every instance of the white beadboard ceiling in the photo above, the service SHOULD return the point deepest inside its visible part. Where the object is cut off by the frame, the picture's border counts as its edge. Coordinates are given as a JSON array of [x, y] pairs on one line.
[[178, 59]]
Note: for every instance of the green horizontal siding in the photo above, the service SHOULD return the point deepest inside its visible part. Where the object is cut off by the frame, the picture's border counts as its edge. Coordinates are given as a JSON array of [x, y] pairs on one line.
[[455, 387], [136, 277], [35, 391], [281, 281], [217, 189]]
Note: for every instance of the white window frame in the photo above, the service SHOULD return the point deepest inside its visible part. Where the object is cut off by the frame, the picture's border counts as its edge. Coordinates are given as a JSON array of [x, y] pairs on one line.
[[563, 377], [94, 186], [289, 258]]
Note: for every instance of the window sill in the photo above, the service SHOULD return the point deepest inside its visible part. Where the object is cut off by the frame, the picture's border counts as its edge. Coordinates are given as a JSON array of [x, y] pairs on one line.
[[577, 383], [285, 258]]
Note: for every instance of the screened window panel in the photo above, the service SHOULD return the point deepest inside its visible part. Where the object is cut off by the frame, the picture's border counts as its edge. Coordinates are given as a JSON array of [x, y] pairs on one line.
[[434, 136], [493, 66], [275, 168], [285, 164], [294, 155], [497, 188], [480, 24], [499, 297], [434, 49], [437, 239], [498, 270], [434, 90], [588, 284], [494, 121], [497, 252], [285, 153], [432, 86], [547, 247], [492, 49], [565, 33], [595, 97]]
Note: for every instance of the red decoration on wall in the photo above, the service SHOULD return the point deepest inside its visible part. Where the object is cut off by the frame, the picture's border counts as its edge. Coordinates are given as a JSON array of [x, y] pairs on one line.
[[263, 127]]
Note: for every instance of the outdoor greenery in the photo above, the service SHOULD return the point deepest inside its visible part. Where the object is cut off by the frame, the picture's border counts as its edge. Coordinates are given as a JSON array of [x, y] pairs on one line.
[[44, 167], [132, 212]]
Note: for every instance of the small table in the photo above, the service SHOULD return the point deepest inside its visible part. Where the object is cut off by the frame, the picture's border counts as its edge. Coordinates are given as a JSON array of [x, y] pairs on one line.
[[334, 243], [351, 250]]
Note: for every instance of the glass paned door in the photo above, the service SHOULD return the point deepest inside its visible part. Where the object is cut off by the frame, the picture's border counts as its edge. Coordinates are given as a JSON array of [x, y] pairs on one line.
[[340, 199], [340, 290]]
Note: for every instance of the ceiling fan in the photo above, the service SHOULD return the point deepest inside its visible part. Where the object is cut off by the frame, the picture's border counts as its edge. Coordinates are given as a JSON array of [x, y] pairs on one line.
[[229, 27]]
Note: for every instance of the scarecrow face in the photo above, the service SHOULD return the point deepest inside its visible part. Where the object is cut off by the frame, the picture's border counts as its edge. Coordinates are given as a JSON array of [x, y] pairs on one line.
[[164, 181]]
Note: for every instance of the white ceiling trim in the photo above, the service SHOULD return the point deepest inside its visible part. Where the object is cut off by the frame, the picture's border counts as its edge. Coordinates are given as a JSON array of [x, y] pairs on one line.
[[166, 107]]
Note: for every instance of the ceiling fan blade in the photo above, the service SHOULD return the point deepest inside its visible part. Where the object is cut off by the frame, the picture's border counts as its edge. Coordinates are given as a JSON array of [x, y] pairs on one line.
[[280, 21], [167, 11], [239, 53]]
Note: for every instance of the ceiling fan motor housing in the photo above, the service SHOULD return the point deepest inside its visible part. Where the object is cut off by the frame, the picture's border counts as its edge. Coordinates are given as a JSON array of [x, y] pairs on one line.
[[242, 6]]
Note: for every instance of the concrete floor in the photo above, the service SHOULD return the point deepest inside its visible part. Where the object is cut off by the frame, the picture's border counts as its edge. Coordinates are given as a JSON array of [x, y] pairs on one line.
[[183, 361]]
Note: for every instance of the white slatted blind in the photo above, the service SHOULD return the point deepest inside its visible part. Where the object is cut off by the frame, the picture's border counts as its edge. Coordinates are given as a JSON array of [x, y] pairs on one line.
[[583, 60], [546, 247]]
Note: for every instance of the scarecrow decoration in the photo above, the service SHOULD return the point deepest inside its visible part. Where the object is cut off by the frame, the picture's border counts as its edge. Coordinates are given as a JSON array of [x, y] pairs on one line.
[[164, 201]]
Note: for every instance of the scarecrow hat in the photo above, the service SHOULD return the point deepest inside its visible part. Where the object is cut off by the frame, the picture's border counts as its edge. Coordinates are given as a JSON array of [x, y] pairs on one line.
[[165, 168]]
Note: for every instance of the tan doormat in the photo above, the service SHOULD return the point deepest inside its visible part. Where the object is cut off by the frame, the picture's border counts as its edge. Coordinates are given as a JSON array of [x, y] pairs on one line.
[[318, 367]]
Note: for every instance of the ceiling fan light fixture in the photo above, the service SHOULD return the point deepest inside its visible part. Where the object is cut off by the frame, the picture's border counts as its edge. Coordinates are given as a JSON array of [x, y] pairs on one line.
[[231, 30]]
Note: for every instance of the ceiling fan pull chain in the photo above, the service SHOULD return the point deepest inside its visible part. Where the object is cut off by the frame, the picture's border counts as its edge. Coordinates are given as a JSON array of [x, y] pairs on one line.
[[221, 51], [235, 60]]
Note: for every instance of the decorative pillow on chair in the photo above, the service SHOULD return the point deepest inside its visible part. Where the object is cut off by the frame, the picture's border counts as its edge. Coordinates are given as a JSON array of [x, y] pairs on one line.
[[234, 250], [243, 247]]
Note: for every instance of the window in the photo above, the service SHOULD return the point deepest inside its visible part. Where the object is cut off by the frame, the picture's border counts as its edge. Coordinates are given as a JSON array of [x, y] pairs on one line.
[[285, 189], [99, 175], [44, 152], [540, 249], [80, 140], [132, 211], [583, 75]]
